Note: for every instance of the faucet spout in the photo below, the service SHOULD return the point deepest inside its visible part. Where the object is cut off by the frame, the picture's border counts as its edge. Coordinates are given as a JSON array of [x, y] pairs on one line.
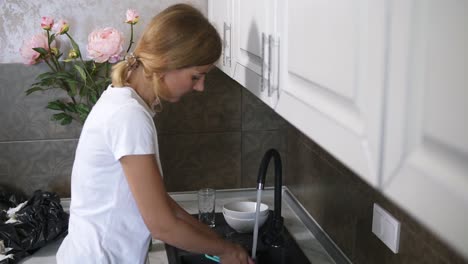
[[273, 236]]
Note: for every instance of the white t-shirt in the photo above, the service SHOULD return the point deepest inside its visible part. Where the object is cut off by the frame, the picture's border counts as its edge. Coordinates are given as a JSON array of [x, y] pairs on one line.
[[105, 225]]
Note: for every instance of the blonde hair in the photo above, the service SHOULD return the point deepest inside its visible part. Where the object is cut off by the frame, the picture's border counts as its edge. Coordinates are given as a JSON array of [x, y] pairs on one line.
[[178, 37]]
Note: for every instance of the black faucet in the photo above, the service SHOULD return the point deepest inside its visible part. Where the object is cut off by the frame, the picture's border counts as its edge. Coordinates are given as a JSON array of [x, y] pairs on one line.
[[274, 234]]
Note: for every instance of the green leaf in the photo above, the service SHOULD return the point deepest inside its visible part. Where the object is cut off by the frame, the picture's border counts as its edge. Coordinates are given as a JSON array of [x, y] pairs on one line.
[[72, 85], [84, 90], [51, 39], [64, 75], [41, 51], [66, 120], [81, 71], [59, 116], [56, 105], [71, 107], [75, 46], [34, 89], [83, 109], [44, 75], [93, 98]]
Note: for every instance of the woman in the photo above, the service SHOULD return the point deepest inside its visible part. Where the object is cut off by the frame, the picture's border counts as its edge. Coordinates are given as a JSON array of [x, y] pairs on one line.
[[118, 195]]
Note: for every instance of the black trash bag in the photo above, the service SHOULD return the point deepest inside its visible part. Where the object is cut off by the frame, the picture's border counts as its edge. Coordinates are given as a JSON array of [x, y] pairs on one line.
[[9, 199], [41, 221]]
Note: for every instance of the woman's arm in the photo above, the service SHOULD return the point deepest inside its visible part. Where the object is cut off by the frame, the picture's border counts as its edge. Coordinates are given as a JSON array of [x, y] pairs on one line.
[[186, 217], [154, 204]]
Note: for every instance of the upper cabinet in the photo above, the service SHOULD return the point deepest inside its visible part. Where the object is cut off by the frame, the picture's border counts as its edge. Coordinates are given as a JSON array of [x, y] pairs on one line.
[[251, 43], [380, 84], [332, 77], [220, 15], [425, 165], [256, 48]]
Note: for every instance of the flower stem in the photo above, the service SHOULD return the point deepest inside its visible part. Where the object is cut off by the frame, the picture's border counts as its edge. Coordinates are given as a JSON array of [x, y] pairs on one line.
[[77, 48], [57, 66], [131, 38], [50, 66]]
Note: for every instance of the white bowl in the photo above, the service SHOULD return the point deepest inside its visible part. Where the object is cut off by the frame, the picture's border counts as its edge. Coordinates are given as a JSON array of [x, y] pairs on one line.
[[243, 209], [244, 225]]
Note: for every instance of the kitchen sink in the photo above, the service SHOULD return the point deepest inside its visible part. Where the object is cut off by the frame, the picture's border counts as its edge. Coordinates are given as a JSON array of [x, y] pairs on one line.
[[289, 253]]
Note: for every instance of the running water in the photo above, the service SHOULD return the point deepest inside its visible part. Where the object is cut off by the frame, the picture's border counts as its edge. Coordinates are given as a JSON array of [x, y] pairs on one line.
[[255, 234]]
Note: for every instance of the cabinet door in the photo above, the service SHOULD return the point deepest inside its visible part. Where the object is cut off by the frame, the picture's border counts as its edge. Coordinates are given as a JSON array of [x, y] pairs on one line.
[[255, 45], [332, 81], [425, 166], [220, 15]]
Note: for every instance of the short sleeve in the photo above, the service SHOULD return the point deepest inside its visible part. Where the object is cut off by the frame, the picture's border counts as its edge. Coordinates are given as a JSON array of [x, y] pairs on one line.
[[131, 131]]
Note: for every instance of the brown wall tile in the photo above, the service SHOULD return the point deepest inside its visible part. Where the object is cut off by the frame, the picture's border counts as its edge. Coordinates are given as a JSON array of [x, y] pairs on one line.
[[254, 146], [258, 116], [217, 109], [194, 161], [342, 204]]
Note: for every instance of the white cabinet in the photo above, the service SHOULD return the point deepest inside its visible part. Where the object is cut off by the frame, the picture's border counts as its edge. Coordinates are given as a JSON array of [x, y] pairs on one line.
[[251, 43], [256, 47], [220, 15], [425, 168], [332, 78], [381, 85]]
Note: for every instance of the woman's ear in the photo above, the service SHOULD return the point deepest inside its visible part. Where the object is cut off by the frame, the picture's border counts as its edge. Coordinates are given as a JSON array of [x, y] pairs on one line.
[[160, 76]]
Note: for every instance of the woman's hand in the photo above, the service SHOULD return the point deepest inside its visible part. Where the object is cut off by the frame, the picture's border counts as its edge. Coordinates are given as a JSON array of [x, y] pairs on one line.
[[235, 254]]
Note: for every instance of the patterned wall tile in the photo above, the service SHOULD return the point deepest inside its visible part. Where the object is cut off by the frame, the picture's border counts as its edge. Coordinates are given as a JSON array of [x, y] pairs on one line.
[[32, 165], [342, 204], [194, 161], [217, 109], [254, 146], [25, 117], [256, 115]]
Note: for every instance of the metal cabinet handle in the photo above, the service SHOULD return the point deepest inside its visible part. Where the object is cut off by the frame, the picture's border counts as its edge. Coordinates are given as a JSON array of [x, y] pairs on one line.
[[270, 44], [226, 59], [276, 45], [262, 78]]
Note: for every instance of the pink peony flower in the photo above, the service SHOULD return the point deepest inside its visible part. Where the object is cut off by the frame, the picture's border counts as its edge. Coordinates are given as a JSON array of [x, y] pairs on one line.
[[132, 16], [61, 27], [105, 45], [31, 56], [47, 23]]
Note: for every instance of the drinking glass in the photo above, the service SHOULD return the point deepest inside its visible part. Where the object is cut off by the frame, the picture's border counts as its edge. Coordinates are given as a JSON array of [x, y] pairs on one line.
[[206, 206]]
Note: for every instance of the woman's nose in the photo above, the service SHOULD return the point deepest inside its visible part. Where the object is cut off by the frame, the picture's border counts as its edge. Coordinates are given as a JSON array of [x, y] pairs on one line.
[[199, 86]]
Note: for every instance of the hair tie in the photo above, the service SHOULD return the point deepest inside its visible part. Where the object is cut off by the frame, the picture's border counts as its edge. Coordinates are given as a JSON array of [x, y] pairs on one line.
[[132, 62]]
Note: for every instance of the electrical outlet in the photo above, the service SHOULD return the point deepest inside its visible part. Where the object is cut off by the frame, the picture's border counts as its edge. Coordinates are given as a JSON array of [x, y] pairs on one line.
[[386, 227]]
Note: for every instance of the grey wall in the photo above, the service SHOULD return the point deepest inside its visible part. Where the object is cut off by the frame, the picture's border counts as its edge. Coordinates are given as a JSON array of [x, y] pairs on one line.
[[216, 139], [35, 153], [20, 19]]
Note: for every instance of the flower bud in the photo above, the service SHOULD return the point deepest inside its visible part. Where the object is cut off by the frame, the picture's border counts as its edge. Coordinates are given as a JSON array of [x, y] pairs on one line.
[[132, 16], [54, 51], [61, 27], [72, 54], [47, 23]]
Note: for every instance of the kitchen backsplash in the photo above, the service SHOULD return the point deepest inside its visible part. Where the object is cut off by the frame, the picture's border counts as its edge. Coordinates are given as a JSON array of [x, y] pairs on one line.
[[215, 139]]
